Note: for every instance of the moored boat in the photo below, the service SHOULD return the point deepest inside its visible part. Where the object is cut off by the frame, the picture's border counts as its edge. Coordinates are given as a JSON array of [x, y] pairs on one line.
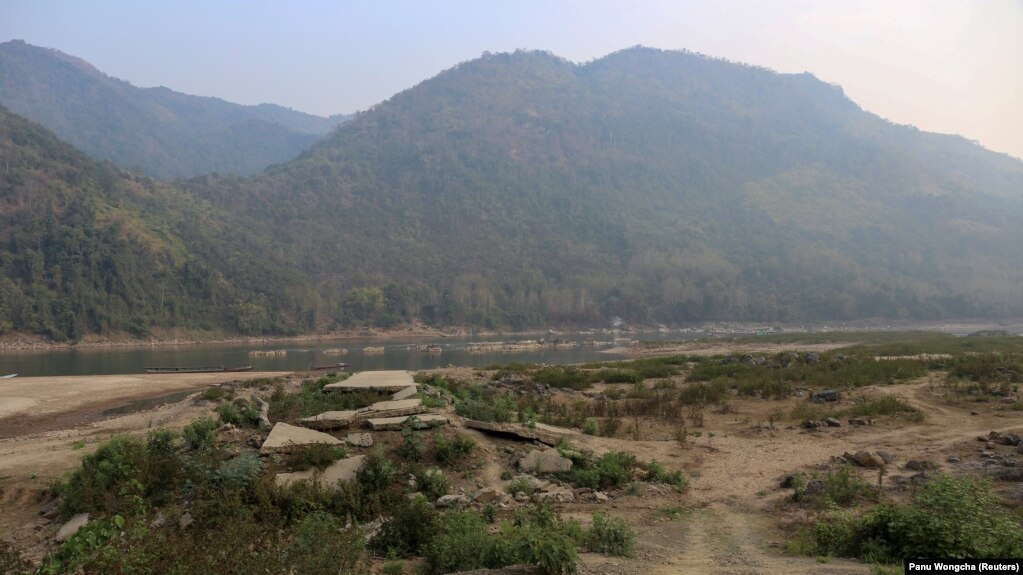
[[217, 369], [8, 376]]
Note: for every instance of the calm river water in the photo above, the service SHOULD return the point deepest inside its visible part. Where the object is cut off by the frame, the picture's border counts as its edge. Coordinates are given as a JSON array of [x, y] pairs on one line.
[[398, 354]]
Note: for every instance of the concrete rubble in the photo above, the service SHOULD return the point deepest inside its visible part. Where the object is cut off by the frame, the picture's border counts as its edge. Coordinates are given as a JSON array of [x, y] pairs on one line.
[[284, 438]]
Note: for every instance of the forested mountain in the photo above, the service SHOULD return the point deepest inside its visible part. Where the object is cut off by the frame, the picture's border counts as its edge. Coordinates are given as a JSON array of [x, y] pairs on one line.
[[523, 190], [88, 248], [657, 186], [160, 132]]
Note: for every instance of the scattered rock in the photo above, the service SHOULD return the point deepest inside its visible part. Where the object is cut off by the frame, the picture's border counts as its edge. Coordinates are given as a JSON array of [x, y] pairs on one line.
[[826, 395], [486, 495], [456, 501], [832, 422], [559, 495], [865, 459], [1011, 439], [396, 408], [600, 497], [952, 459], [521, 497], [359, 439], [812, 357], [185, 521], [71, 527], [1010, 474], [888, 458], [919, 465], [549, 461], [860, 421]]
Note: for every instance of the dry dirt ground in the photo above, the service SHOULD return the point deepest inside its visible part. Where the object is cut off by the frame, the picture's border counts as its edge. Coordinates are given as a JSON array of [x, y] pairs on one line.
[[725, 523]]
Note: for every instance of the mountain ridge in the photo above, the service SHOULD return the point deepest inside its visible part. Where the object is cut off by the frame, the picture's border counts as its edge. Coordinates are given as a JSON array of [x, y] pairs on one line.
[[163, 133]]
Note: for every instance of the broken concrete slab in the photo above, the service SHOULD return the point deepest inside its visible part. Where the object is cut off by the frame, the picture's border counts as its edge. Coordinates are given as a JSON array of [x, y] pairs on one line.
[[359, 439], [342, 470], [395, 408], [330, 420], [386, 381], [284, 438], [543, 433], [549, 461], [396, 423], [68, 530], [405, 393]]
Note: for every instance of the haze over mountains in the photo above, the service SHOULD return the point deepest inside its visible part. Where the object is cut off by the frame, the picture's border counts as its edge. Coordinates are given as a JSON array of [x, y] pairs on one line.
[[158, 131], [523, 190]]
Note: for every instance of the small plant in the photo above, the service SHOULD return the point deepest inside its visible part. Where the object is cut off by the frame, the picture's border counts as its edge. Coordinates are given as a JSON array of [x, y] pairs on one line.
[[590, 427], [521, 484], [393, 568], [611, 536], [656, 473], [506, 475], [634, 489], [199, 434], [433, 483], [77, 445]]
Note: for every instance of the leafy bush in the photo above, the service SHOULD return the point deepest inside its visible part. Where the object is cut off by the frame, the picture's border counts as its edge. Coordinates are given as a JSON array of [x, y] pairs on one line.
[[521, 484], [108, 479], [948, 517], [200, 433], [656, 473], [590, 427], [618, 376], [459, 545], [612, 470], [611, 536], [322, 545], [239, 413], [447, 451], [885, 405], [433, 483], [563, 376], [410, 528]]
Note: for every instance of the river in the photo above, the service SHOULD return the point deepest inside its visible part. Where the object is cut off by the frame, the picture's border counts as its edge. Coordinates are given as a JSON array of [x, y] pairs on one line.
[[299, 356]]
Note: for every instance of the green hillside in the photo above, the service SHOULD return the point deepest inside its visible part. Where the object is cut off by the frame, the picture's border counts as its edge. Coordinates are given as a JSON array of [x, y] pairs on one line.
[[157, 131], [521, 190], [656, 186], [87, 248]]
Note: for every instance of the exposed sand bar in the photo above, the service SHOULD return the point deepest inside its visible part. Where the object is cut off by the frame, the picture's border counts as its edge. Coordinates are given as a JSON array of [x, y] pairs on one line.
[[40, 396]]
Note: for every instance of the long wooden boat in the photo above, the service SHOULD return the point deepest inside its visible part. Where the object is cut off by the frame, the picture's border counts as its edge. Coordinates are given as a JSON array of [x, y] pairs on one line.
[[218, 369], [8, 376], [329, 366]]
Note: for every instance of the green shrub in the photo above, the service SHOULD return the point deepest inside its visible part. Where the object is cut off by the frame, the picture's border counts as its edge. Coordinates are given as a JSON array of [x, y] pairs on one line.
[[563, 377], [377, 472], [239, 413], [885, 405], [433, 483], [611, 536], [447, 451], [521, 484], [656, 473], [590, 427], [948, 517], [618, 376], [412, 525], [612, 470], [108, 479], [200, 433], [318, 455], [459, 545], [321, 544]]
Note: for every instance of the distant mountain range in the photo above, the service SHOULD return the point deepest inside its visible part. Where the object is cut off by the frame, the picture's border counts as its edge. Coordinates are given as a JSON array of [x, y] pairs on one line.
[[523, 190], [158, 131]]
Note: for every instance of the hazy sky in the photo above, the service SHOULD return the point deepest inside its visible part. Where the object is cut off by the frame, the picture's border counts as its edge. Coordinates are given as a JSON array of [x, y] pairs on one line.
[[944, 66]]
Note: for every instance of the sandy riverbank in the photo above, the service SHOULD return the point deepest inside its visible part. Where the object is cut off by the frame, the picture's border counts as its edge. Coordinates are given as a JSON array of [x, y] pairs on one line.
[[36, 404]]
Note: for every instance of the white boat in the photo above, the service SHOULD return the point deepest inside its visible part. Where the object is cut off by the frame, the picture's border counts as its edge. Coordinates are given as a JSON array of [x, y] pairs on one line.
[[8, 376]]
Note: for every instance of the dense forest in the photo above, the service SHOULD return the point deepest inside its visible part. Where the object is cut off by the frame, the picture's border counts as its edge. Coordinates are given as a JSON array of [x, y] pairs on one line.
[[157, 131], [522, 190]]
